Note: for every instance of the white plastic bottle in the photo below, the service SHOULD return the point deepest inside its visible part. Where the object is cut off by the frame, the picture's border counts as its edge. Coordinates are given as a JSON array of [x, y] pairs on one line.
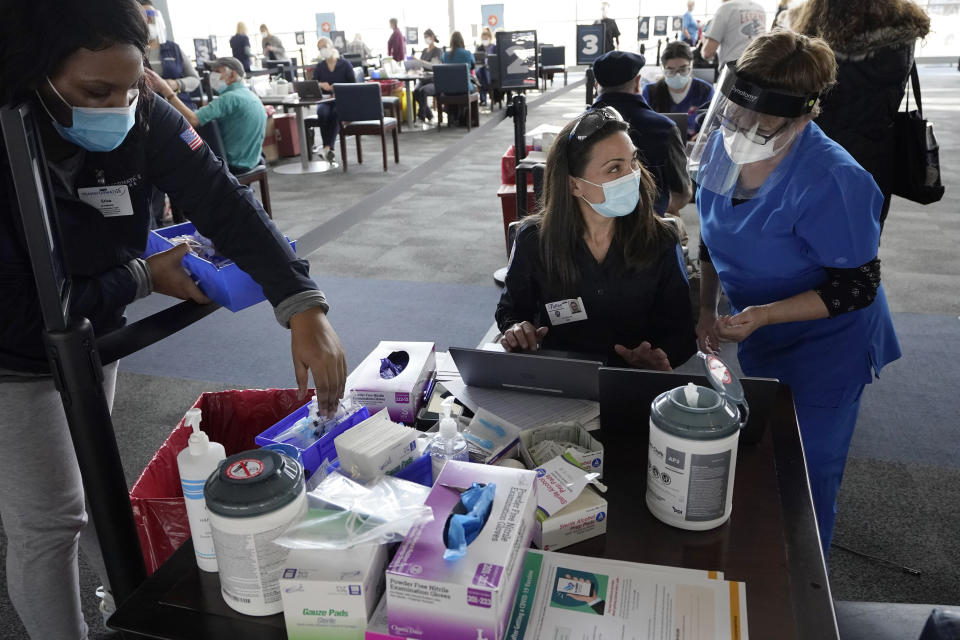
[[196, 463], [448, 444]]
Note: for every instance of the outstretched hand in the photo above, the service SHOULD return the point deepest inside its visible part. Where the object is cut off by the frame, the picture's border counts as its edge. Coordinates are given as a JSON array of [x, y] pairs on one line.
[[316, 348], [644, 356]]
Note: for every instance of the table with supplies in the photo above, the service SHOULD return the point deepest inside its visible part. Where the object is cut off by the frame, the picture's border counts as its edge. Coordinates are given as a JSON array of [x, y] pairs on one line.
[[298, 105], [770, 542]]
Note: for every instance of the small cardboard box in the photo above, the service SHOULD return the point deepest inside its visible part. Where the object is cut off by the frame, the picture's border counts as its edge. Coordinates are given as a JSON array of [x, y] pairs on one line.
[[584, 518], [331, 594], [470, 597], [401, 395], [565, 432]]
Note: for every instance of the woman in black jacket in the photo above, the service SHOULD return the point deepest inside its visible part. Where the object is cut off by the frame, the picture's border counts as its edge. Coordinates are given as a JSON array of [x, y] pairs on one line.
[[873, 41]]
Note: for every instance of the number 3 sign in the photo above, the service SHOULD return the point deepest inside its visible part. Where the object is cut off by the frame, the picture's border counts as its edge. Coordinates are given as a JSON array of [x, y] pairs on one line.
[[589, 42]]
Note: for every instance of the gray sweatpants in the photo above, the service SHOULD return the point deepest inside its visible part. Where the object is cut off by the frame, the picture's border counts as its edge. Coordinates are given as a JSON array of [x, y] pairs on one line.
[[42, 507]]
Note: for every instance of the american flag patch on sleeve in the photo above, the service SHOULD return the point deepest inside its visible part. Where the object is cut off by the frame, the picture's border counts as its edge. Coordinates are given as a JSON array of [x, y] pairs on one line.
[[192, 138]]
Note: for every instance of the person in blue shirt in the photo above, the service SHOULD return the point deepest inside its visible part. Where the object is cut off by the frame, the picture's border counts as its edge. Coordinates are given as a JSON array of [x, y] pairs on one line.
[[239, 114], [678, 91], [330, 70], [691, 30], [790, 228], [657, 139], [457, 53]]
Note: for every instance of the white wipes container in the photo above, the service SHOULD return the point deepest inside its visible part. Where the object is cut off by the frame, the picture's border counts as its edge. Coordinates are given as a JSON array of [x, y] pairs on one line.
[[252, 498], [692, 453], [195, 464]]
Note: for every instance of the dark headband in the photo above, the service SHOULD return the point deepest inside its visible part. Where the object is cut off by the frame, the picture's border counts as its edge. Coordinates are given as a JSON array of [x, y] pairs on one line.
[[762, 100]]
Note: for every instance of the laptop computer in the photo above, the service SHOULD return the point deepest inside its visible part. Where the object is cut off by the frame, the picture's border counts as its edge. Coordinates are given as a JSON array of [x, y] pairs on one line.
[[308, 90], [546, 374], [682, 121]]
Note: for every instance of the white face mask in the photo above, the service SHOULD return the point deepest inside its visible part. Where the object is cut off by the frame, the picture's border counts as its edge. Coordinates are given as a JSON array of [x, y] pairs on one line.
[[429, 41], [216, 81], [486, 42], [743, 151], [326, 53]]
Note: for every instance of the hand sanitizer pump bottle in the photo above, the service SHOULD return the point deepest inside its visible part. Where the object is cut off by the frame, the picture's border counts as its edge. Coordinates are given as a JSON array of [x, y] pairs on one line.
[[196, 463], [448, 444]]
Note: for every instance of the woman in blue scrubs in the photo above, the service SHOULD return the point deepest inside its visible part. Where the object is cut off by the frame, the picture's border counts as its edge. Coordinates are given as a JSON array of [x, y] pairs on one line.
[[790, 230]]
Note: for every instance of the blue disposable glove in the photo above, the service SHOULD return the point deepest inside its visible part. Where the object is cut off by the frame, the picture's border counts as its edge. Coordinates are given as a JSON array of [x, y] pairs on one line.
[[463, 528]]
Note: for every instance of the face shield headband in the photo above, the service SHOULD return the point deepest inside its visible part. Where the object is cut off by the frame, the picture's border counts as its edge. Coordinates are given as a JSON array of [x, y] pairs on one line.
[[772, 102]]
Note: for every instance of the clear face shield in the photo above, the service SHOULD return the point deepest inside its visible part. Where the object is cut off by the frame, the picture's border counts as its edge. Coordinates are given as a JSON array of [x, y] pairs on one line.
[[746, 125]]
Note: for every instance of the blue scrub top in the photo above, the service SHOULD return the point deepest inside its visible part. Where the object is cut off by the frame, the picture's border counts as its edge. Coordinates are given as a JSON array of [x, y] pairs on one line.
[[824, 212]]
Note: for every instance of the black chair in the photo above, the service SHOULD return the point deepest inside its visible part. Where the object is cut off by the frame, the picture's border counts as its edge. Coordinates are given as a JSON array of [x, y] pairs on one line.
[[453, 87], [552, 60], [354, 58], [360, 111], [210, 133]]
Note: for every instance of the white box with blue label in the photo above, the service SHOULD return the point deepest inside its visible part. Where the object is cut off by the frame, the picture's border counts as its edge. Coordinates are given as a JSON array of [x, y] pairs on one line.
[[469, 597], [332, 594], [584, 518], [394, 377]]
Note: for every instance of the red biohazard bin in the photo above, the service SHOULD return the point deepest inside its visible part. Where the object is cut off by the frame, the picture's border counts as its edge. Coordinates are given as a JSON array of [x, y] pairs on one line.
[[288, 137], [232, 418]]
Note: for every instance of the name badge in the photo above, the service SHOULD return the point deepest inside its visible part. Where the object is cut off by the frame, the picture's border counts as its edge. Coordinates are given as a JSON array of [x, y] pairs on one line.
[[566, 311], [109, 201]]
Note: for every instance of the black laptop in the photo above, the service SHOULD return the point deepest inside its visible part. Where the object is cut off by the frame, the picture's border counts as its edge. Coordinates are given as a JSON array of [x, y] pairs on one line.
[[308, 90], [546, 374]]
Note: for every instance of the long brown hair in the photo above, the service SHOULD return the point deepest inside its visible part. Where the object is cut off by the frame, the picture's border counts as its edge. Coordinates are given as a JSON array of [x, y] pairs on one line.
[[456, 41], [642, 236], [849, 24]]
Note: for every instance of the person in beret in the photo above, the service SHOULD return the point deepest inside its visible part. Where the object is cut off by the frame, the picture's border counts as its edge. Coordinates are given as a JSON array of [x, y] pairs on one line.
[[655, 136]]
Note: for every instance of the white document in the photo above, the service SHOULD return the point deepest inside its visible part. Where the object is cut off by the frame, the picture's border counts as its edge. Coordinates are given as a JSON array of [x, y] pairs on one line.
[[525, 410], [110, 201], [570, 597], [446, 367]]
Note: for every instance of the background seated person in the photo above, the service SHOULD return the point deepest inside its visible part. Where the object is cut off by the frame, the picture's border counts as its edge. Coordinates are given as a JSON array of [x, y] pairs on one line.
[[434, 55], [657, 139], [487, 48], [596, 271], [239, 113], [678, 91], [457, 53], [330, 69]]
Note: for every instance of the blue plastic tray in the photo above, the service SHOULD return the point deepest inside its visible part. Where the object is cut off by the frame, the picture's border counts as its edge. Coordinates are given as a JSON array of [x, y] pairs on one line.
[[323, 449], [228, 286]]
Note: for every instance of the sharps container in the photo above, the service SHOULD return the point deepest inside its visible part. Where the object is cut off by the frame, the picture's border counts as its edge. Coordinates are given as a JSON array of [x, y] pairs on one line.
[[252, 498], [692, 454]]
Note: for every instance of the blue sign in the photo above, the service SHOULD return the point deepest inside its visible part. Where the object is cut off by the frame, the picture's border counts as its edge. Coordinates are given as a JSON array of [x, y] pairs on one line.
[[492, 16], [326, 22], [589, 43]]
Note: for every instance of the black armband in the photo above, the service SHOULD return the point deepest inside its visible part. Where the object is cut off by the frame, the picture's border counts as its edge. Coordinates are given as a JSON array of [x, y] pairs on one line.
[[846, 290]]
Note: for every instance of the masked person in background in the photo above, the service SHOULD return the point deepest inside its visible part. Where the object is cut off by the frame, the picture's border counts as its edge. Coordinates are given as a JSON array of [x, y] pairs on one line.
[[678, 91], [166, 58], [431, 55], [100, 125], [790, 230], [487, 48], [272, 45], [330, 70], [596, 272]]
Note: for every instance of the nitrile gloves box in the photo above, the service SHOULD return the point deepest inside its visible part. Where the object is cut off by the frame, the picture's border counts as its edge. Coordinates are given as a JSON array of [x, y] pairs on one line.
[[585, 517], [589, 455], [394, 376], [470, 597], [331, 594]]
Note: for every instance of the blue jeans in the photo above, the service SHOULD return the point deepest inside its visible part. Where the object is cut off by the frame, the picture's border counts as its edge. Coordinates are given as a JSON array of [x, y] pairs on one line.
[[827, 418], [329, 123]]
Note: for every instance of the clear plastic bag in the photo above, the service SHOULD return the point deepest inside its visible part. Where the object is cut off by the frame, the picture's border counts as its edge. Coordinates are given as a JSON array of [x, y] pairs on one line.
[[343, 513]]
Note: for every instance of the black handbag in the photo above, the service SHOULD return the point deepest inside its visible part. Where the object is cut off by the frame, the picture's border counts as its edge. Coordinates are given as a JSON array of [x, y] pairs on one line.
[[917, 175]]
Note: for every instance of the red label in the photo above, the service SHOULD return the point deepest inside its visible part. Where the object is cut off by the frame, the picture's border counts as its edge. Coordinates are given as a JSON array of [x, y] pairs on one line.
[[325, 27], [244, 469], [492, 20], [719, 370]]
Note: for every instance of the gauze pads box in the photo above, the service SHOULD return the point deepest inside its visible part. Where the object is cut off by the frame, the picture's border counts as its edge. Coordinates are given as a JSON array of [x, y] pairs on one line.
[[393, 377], [470, 597], [331, 594]]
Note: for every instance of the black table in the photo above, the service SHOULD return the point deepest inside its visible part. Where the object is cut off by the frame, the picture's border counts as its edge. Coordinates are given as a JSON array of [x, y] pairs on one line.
[[770, 542]]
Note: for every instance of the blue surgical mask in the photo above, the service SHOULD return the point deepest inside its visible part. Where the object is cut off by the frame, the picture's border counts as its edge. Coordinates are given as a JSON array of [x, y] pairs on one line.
[[620, 196], [676, 82], [97, 129]]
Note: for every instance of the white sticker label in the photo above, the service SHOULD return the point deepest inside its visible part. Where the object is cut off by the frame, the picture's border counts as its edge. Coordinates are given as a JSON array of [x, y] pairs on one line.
[[109, 201], [565, 311]]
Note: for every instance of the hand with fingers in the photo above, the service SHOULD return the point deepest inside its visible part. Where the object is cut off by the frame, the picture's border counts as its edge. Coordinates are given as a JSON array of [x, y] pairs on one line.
[[170, 278], [739, 327], [644, 356], [707, 339], [523, 336], [316, 348]]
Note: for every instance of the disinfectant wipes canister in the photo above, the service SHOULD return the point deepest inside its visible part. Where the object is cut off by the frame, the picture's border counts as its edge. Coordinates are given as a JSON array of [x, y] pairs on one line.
[[252, 498], [693, 450]]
